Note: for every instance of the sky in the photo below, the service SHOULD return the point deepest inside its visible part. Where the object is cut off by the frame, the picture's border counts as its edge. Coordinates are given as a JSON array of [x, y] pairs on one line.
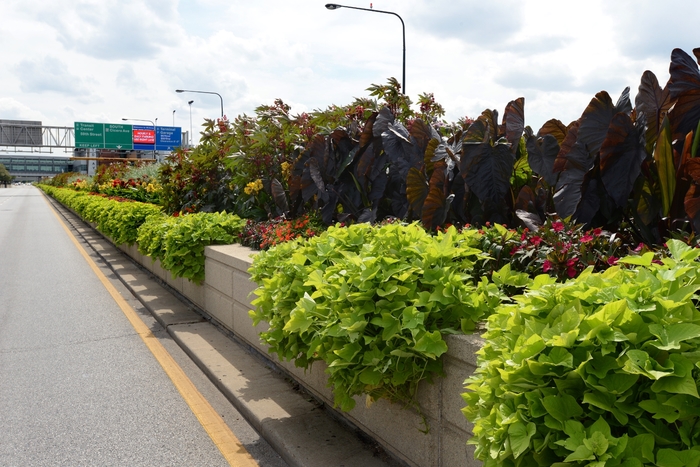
[[64, 61]]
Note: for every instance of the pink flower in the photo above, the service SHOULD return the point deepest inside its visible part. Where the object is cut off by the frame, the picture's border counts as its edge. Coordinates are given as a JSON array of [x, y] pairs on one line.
[[639, 248], [586, 238], [612, 261], [515, 250], [571, 272], [597, 232], [570, 263], [536, 240], [558, 226], [524, 235], [546, 266]]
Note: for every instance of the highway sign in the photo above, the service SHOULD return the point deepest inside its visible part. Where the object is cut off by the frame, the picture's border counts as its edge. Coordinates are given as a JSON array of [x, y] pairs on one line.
[[118, 137], [127, 137], [168, 138], [89, 135], [144, 137]]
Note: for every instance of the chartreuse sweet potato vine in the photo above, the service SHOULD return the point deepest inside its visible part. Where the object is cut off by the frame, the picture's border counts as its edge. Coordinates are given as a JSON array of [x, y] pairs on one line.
[[373, 303], [602, 370]]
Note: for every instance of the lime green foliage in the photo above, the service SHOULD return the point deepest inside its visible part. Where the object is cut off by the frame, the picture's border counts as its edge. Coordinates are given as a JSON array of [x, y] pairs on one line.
[[601, 370], [178, 242], [116, 219], [373, 303]]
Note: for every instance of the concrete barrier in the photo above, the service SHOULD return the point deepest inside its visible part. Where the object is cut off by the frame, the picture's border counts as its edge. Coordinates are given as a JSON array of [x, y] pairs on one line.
[[226, 295]]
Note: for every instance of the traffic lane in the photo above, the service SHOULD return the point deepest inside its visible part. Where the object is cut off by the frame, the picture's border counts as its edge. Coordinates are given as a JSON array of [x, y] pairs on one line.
[[78, 386]]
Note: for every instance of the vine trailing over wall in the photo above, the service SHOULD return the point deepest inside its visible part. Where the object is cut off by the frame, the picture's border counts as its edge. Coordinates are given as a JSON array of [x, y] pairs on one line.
[[407, 289], [599, 370]]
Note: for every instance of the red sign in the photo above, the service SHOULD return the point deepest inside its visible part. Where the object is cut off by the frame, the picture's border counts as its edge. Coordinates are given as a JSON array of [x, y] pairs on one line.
[[144, 136]]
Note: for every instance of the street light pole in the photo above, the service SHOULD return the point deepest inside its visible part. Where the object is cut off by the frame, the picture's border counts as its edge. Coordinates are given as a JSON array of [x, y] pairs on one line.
[[173, 118], [335, 6], [154, 131], [190, 142], [206, 92]]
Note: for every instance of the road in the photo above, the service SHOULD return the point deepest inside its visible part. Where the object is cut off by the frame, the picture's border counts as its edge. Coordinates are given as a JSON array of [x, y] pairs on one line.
[[77, 384]]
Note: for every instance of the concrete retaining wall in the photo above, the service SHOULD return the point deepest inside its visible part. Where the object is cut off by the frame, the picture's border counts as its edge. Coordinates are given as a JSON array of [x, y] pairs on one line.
[[226, 296]]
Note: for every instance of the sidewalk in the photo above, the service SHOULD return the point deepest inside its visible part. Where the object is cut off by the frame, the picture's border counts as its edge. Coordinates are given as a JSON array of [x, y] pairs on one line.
[[292, 421]]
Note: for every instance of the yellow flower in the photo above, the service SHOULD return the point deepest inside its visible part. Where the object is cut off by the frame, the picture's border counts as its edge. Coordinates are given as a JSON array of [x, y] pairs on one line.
[[253, 188], [286, 169], [153, 187]]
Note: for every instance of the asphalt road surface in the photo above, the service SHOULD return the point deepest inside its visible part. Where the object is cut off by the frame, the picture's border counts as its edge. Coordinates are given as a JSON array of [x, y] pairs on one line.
[[78, 387]]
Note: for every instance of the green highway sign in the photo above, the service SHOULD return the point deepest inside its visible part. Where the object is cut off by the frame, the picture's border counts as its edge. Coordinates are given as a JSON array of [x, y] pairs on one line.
[[118, 137], [127, 137], [89, 135]]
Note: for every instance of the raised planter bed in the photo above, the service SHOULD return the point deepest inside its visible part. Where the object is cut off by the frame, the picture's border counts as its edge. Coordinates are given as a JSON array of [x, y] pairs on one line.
[[226, 295]]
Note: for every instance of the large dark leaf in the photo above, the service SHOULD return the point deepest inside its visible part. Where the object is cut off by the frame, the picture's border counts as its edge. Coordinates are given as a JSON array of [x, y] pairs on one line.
[[422, 133], [514, 121], [566, 146], [595, 122], [692, 206], [590, 202], [487, 169], [300, 181], [368, 131], [541, 154], [436, 203], [654, 103], [555, 128], [624, 104], [382, 122], [315, 174], [397, 145], [687, 174], [490, 119], [684, 87], [477, 132], [529, 219], [569, 185], [416, 190], [621, 157], [279, 196], [368, 215], [328, 209]]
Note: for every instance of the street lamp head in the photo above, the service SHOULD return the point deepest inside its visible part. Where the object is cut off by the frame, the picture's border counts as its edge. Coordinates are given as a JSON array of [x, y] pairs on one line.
[[333, 6], [125, 119], [179, 90], [190, 102]]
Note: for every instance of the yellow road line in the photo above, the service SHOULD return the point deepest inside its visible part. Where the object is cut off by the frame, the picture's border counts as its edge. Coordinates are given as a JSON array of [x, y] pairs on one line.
[[229, 445]]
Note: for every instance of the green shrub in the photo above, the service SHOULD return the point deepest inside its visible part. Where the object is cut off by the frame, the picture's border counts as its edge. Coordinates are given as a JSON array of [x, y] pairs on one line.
[[373, 303], [117, 219], [601, 370], [178, 242]]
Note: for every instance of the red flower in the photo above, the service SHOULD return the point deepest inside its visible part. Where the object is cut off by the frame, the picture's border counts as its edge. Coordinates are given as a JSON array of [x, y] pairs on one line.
[[536, 240], [586, 238], [546, 266], [597, 231], [558, 226], [515, 250], [524, 235], [639, 248], [571, 272], [612, 261]]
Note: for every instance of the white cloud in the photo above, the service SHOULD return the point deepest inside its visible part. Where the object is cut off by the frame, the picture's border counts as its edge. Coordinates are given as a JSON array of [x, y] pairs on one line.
[[106, 59]]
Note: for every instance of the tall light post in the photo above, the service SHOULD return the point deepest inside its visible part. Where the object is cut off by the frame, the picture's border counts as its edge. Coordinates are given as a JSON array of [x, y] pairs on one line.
[[154, 130], [206, 92], [173, 118], [190, 141], [335, 6]]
